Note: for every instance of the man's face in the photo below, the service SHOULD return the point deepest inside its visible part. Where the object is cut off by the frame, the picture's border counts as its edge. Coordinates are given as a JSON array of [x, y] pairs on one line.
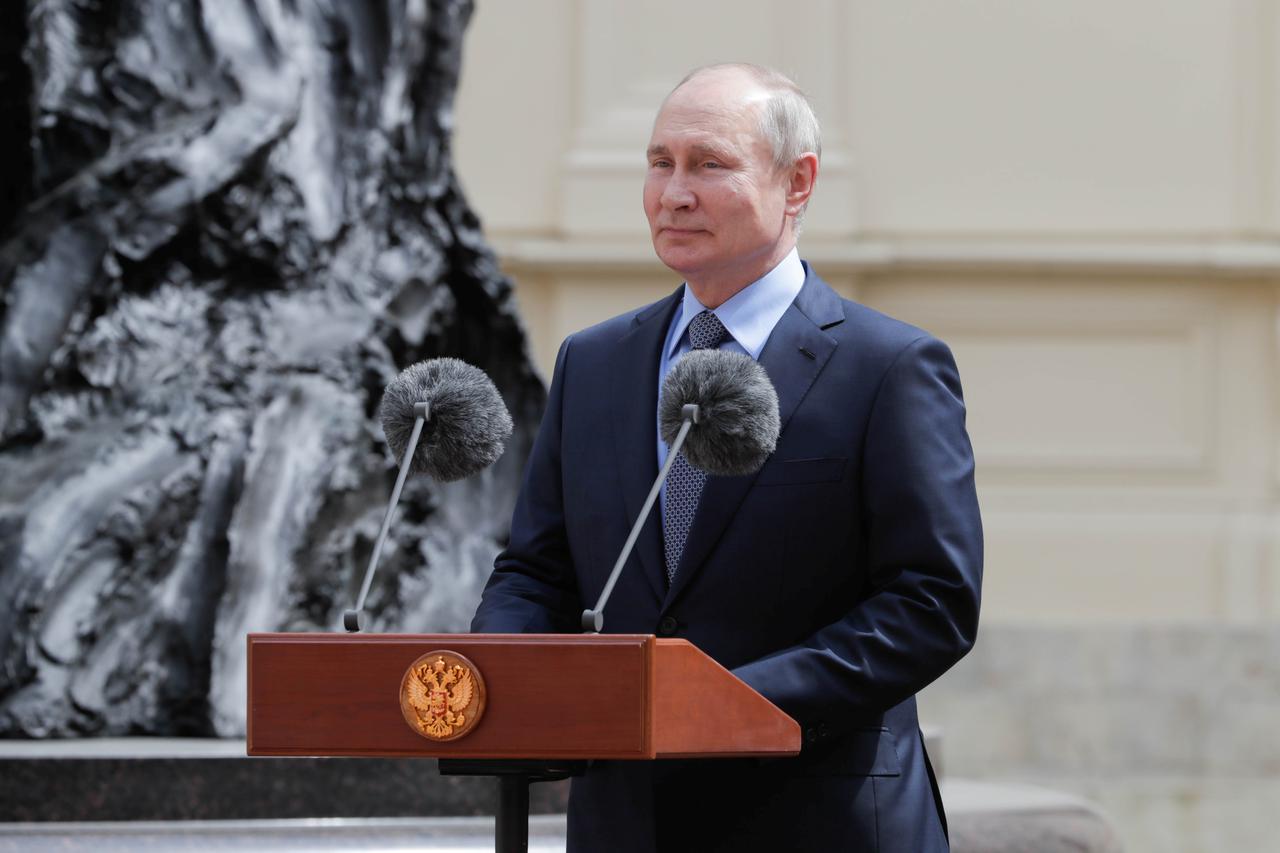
[[716, 205]]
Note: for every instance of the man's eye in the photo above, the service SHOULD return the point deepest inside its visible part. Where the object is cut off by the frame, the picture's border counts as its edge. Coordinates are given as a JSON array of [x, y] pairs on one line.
[[711, 164]]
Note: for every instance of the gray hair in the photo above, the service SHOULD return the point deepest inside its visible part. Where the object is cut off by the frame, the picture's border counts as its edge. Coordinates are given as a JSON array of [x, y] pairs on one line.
[[786, 117]]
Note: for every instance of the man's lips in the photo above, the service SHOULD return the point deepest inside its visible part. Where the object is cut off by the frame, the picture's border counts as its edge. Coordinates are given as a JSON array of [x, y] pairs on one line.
[[678, 232]]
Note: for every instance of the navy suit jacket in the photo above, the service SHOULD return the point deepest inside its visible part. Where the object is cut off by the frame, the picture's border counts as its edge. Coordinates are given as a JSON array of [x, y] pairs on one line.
[[838, 581]]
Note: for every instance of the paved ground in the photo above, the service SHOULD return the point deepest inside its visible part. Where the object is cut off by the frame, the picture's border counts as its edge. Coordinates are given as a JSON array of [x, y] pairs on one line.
[[326, 835], [984, 818]]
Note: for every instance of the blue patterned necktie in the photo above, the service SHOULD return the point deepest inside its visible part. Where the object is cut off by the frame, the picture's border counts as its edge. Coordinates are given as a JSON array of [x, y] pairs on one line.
[[684, 482]]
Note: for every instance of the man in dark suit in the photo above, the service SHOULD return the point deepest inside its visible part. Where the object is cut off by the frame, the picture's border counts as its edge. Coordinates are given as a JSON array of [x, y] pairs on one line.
[[838, 581]]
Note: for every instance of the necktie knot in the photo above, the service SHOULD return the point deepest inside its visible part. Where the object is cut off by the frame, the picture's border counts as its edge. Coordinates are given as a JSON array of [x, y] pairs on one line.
[[706, 331]]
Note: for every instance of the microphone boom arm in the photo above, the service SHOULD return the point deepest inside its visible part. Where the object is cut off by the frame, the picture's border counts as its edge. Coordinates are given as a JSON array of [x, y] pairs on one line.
[[351, 618], [593, 620]]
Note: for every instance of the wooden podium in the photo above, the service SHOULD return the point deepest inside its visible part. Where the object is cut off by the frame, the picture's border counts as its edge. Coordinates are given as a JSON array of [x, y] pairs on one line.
[[548, 699]]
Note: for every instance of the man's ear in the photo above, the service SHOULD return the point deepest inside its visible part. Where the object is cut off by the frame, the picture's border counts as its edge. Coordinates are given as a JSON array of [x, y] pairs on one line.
[[800, 183]]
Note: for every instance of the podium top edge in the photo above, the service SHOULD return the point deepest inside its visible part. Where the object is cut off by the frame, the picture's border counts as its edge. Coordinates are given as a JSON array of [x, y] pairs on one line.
[[454, 639]]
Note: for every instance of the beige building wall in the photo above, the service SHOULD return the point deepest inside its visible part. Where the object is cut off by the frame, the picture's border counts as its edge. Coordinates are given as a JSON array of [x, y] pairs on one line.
[[1083, 199]]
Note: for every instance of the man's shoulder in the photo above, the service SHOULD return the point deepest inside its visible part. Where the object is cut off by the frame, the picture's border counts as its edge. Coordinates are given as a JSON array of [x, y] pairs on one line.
[[879, 328], [866, 328]]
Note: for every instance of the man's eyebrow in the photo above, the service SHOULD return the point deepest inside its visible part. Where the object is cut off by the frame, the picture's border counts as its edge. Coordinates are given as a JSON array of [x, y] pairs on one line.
[[699, 150], [703, 150]]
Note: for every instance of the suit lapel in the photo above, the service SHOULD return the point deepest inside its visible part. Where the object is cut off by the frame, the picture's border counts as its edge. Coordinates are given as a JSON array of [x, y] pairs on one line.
[[634, 393], [795, 354]]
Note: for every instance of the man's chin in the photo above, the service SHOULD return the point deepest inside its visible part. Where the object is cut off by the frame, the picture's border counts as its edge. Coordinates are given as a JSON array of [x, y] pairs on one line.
[[678, 261], [680, 254]]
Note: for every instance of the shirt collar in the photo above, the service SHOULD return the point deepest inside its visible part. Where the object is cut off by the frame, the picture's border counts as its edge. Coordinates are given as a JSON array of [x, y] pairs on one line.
[[751, 313]]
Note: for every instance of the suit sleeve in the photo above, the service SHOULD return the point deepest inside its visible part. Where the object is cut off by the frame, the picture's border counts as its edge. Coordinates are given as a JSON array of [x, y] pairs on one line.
[[533, 588], [923, 553]]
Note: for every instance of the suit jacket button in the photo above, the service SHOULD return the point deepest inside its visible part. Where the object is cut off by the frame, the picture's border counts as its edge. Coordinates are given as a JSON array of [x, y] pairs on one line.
[[667, 627]]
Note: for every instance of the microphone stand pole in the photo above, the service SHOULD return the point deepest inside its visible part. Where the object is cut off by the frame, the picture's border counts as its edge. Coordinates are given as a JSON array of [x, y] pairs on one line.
[[351, 619], [593, 620]]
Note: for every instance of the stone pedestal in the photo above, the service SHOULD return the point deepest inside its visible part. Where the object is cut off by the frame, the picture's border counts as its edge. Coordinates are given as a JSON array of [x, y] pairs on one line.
[[988, 818], [174, 779]]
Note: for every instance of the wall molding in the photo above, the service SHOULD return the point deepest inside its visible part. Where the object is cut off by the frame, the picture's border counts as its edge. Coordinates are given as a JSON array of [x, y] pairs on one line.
[[1251, 259]]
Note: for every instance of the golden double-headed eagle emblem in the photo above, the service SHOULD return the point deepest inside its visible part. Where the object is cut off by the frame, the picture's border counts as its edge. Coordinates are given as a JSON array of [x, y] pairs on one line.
[[442, 695]]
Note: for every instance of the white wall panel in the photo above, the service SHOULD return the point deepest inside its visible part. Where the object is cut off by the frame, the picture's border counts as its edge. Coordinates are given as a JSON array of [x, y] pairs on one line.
[[1096, 566], [513, 113], [1083, 117], [1073, 400], [1074, 377]]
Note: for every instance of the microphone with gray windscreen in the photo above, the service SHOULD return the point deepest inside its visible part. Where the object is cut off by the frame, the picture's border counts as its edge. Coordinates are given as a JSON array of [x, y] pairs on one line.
[[737, 411], [466, 425], [720, 408]]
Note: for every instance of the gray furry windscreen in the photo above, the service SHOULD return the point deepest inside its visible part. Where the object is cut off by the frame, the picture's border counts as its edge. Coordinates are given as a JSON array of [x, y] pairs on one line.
[[738, 420], [468, 423]]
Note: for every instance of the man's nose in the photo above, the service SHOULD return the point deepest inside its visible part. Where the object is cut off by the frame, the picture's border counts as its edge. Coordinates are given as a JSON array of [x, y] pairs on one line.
[[676, 194]]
